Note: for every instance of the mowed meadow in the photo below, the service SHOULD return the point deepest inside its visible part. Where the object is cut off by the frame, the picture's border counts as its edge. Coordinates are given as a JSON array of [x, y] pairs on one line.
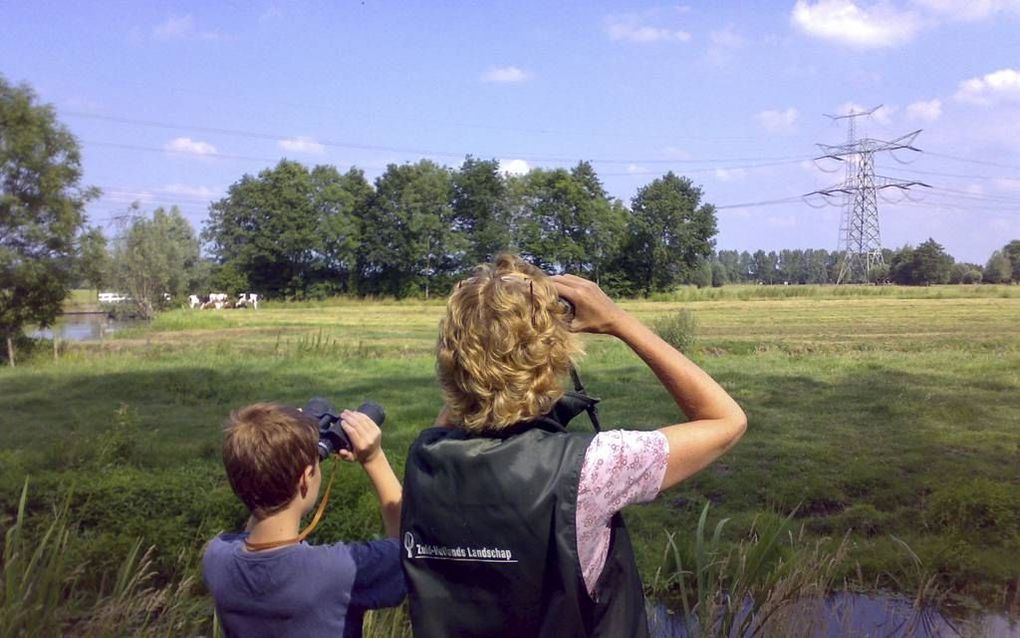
[[885, 416]]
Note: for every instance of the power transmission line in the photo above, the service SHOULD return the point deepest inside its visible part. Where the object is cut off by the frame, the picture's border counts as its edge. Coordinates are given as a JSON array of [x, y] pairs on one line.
[[860, 240], [410, 151], [335, 110], [914, 171], [156, 149], [973, 161]]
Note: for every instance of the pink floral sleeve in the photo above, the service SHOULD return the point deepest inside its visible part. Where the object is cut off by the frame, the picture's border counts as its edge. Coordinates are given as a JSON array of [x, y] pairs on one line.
[[620, 467]]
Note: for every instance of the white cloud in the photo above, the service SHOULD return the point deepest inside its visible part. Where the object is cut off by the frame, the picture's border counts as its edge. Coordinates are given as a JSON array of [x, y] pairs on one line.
[[188, 145], [925, 111], [727, 37], [779, 121], [1007, 184], [630, 28], [301, 145], [174, 27], [784, 221], [634, 169], [272, 12], [505, 74], [514, 166], [883, 115], [844, 22], [969, 10], [673, 152], [999, 86], [181, 28], [190, 191], [729, 174], [78, 103], [722, 44]]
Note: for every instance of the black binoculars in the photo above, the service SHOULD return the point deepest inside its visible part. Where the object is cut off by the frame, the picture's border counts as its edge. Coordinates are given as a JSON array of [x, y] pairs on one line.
[[332, 437]]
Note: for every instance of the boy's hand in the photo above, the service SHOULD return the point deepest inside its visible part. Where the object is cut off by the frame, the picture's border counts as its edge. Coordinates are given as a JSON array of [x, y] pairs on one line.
[[365, 436]]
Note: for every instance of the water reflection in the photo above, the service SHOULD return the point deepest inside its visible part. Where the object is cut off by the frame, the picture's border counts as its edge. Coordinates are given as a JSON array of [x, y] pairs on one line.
[[856, 615], [83, 327]]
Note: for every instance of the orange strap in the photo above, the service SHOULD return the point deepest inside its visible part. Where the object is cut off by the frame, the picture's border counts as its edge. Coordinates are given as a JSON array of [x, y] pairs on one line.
[[258, 547]]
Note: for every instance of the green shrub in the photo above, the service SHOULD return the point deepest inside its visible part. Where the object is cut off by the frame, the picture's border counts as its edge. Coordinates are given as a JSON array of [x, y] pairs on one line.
[[979, 508], [677, 329], [864, 519]]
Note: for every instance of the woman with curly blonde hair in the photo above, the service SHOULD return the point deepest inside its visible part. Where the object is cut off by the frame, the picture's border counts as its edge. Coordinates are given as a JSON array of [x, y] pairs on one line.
[[511, 523]]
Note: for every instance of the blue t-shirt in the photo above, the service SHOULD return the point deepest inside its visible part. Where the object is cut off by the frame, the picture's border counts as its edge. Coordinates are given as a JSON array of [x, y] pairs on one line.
[[301, 589]]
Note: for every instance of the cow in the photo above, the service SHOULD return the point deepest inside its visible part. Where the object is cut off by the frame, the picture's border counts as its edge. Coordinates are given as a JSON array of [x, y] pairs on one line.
[[246, 299], [194, 301], [217, 300]]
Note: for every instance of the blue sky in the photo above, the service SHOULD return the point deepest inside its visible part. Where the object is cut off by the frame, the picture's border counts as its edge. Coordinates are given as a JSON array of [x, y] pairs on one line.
[[175, 101]]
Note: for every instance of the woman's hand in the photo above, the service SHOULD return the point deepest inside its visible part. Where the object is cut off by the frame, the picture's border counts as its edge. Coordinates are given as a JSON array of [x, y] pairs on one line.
[[365, 436], [594, 311]]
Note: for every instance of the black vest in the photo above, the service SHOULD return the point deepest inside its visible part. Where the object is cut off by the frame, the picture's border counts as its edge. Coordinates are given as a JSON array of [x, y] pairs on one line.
[[489, 539]]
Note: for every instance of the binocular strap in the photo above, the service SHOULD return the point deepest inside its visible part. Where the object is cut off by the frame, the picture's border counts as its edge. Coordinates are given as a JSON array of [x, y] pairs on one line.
[[258, 547]]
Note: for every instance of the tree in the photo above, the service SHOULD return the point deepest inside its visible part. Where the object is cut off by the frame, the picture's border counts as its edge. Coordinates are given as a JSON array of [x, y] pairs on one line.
[[964, 273], [746, 267], [93, 267], [901, 266], [42, 207], [922, 266], [816, 266], [669, 231], [481, 210], [719, 275], [410, 243], [700, 275], [1012, 252], [154, 259], [765, 266], [269, 229], [932, 264], [340, 202], [567, 223], [998, 270], [729, 260]]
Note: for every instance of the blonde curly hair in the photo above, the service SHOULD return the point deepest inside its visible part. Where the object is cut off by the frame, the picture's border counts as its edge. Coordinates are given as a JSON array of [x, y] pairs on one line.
[[504, 346]]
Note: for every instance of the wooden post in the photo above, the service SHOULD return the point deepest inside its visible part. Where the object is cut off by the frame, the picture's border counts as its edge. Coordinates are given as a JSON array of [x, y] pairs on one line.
[[10, 351], [55, 357]]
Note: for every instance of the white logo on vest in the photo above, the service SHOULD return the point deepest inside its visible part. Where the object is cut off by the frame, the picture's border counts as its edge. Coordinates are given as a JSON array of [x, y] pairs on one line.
[[468, 554]]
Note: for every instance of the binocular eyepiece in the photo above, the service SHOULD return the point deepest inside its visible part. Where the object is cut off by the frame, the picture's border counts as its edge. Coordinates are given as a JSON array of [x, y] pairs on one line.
[[332, 437]]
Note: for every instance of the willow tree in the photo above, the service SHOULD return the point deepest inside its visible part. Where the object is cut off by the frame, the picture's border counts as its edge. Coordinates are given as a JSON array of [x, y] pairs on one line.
[[42, 210]]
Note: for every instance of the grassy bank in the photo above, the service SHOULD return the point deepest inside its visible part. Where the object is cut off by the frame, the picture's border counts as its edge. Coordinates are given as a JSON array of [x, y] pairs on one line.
[[895, 417]]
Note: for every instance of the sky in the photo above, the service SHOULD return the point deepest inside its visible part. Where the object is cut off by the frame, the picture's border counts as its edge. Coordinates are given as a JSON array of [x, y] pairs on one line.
[[173, 102]]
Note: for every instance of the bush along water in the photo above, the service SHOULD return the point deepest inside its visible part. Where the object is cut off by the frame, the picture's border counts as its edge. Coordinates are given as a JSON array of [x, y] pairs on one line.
[[774, 582]]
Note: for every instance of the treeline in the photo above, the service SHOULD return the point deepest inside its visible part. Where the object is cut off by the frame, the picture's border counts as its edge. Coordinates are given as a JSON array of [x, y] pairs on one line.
[[297, 232], [293, 231], [927, 264]]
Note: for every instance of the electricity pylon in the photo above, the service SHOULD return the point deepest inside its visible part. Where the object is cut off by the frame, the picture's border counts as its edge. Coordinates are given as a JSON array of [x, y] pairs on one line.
[[860, 240]]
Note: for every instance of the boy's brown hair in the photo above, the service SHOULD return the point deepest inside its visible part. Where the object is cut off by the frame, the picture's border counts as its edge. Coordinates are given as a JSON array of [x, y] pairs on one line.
[[266, 448]]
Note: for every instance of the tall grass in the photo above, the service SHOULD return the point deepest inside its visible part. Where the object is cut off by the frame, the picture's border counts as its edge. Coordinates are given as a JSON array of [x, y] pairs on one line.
[[41, 597], [742, 590], [678, 329]]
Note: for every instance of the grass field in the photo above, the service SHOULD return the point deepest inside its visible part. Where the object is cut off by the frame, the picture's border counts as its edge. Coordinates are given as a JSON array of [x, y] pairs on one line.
[[893, 414]]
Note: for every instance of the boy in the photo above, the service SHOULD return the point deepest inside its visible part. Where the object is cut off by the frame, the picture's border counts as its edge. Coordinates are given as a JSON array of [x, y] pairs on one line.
[[266, 580]]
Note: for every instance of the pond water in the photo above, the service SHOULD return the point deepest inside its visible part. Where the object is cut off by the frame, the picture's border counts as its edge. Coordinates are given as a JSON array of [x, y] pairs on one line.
[[863, 615], [83, 327]]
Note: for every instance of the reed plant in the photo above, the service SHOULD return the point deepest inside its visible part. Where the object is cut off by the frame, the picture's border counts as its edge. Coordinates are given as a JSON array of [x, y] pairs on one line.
[[41, 594], [742, 590]]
